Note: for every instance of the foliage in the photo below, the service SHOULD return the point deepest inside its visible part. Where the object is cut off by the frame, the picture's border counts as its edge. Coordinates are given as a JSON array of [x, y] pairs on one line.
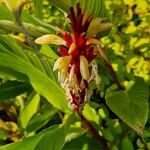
[[34, 112]]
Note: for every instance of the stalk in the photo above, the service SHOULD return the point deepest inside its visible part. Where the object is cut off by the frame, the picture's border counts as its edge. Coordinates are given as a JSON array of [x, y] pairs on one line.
[[90, 128], [110, 68], [18, 21]]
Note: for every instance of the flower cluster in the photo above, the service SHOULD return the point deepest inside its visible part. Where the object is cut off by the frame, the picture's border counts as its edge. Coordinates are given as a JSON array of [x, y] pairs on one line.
[[76, 66]]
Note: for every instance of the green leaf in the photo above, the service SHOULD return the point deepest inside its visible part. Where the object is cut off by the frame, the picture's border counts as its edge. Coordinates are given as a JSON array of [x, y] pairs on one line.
[[108, 135], [10, 74], [46, 50], [115, 126], [127, 144], [32, 29], [62, 4], [103, 112], [38, 6], [96, 7], [83, 143], [11, 89], [74, 131], [52, 140], [13, 57], [5, 13], [36, 140], [90, 113], [41, 118], [25, 144], [131, 105], [34, 26], [4, 134], [30, 109]]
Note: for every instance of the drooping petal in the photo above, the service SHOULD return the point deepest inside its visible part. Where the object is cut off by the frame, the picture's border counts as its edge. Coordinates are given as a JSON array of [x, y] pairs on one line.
[[62, 64], [105, 26], [96, 26], [93, 41], [50, 39], [85, 73]]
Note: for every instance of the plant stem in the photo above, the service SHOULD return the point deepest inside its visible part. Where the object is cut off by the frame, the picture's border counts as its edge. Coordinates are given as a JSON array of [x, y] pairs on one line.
[[110, 68], [90, 128], [20, 25]]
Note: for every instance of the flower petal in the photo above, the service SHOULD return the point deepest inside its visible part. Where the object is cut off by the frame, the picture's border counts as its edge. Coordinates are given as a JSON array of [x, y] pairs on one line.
[[50, 39], [71, 74], [93, 41], [72, 48], [85, 73], [96, 26], [62, 64]]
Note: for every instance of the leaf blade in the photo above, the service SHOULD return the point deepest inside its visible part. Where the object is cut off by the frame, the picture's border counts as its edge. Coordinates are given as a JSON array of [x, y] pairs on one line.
[[30, 109], [131, 109], [11, 89]]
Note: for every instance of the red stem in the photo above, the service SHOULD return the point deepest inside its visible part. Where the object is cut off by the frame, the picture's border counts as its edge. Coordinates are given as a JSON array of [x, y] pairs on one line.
[[90, 128]]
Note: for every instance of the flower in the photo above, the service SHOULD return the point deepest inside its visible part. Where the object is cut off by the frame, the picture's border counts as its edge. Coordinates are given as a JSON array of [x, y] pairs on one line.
[[76, 66]]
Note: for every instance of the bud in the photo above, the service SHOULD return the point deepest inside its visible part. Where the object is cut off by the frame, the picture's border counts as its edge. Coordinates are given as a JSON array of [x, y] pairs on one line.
[[50, 39], [13, 4]]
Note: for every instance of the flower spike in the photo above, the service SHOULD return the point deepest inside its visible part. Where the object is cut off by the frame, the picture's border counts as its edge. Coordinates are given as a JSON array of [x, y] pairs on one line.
[[76, 66]]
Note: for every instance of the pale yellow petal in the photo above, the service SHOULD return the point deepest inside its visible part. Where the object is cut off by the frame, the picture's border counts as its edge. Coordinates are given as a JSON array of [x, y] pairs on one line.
[[62, 64], [85, 73], [50, 39], [72, 48], [93, 41], [96, 26], [71, 74], [13, 4]]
